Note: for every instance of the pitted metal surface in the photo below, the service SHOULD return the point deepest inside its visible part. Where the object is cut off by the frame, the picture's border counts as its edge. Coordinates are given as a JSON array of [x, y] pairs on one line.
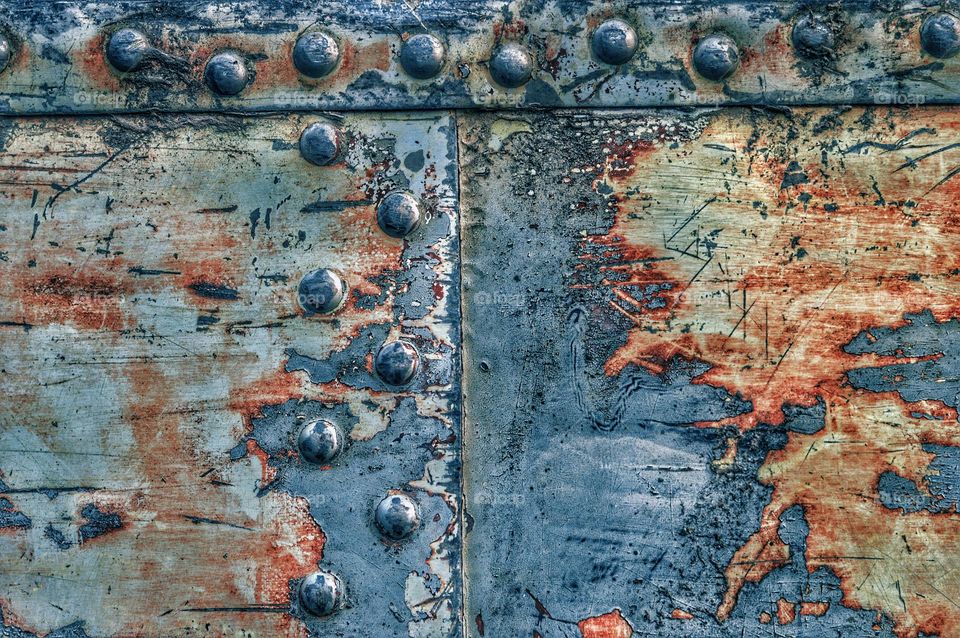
[[721, 397], [160, 366], [182, 55]]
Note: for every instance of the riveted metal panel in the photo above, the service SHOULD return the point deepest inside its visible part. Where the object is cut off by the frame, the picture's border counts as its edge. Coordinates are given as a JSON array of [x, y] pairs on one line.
[[158, 367], [722, 396], [852, 52]]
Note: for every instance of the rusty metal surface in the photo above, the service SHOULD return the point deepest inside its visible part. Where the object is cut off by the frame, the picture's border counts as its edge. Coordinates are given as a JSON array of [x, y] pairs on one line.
[[722, 396], [157, 370], [58, 62]]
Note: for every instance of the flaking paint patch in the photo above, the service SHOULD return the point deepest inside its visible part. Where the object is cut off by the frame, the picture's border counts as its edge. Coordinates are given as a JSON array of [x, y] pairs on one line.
[[767, 280]]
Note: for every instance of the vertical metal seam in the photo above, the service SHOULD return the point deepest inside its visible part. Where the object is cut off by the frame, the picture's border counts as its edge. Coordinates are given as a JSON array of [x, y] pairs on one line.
[[454, 123]]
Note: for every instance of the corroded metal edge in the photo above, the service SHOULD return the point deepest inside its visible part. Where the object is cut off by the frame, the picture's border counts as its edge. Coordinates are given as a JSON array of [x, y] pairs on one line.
[[849, 52]]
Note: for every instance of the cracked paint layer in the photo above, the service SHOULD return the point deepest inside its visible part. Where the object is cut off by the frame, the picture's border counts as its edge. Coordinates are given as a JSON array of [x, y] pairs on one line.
[[149, 320]]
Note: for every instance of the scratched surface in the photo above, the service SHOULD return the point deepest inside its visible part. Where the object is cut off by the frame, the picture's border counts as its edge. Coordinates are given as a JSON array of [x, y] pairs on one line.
[[722, 397], [156, 371], [58, 62]]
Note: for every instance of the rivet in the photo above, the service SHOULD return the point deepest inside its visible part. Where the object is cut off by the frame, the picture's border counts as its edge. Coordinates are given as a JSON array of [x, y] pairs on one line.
[[126, 49], [226, 73], [321, 292], [5, 52], [422, 56], [940, 35], [320, 441], [511, 66], [321, 593], [320, 143], [397, 362], [614, 42], [398, 214], [396, 516], [316, 54], [813, 38], [716, 57]]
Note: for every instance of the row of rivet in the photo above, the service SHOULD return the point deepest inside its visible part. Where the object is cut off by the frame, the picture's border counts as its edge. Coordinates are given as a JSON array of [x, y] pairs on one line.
[[422, 56], [396, 363]]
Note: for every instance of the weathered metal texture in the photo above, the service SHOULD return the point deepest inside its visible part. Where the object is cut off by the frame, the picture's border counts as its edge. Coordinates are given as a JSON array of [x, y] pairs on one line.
[[843, 52], [158, 368], [722, 397]]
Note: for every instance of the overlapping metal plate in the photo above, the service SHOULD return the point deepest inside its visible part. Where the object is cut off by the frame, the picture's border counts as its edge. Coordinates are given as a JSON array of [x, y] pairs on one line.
[[157, 369], [57, 63], [722, 396]]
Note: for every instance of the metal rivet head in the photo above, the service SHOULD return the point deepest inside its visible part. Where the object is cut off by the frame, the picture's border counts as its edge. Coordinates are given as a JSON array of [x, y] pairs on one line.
[[126, 49], [5, 52], [316, 54], [226, 73], [716, 57], [396, 516], [320, 442], [321, 292], [813, 38], [397, 362], [940, 35], [422, 55], [321, 593], [511, 66], [320, 143], [614, 42], [398, 214]]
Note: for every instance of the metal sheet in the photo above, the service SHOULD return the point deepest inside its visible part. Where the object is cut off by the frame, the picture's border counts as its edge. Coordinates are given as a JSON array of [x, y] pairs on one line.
[[58, 59], [157, 370], [721, 399]]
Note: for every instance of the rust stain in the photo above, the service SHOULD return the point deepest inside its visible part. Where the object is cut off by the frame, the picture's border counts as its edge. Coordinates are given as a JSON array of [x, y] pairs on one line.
[[79, 296], [609, 625], [786, 612], [787, 257], [814, 608], [681, 614], [93, 65]]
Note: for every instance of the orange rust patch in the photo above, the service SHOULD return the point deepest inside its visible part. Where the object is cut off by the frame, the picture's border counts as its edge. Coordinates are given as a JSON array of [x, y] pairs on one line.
[[814, 609], [76, 296], [786, 612], [609, 625], [92, 61], [680, 614]]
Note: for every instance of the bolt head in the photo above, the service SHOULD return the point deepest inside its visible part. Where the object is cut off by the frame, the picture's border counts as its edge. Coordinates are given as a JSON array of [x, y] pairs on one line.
[[940, 35], [126, 49], [321, 593], [422, 56], [614, 42], [398, 214], [813, 38], [397, 363], [397, 516], [321, 292], [319, 442], [316, 54], [716, 57], [320, 143], [226, 73], [511, 66], [5, 53]]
